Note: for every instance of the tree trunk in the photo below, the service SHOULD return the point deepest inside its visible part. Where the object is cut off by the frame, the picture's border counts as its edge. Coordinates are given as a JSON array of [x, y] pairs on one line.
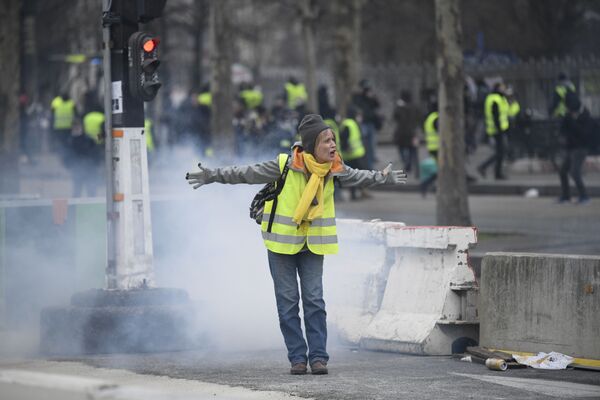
[[309, 16], [199, 23], [344, 68], [452, 196], [9, 95], [221, 85], [356, 40]]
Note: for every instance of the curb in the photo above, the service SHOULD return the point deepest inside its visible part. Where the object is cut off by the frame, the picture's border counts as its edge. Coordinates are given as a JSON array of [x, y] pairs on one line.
[[509, 189]]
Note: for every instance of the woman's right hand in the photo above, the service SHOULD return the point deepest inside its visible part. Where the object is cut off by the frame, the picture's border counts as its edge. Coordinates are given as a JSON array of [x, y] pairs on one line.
[[199, 178]]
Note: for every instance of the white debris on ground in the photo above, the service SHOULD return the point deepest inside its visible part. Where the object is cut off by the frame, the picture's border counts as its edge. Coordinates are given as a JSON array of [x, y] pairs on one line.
[[542, 360]]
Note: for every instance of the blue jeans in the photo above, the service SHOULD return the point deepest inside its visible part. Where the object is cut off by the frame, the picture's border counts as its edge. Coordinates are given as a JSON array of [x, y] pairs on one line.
[[284, 270]]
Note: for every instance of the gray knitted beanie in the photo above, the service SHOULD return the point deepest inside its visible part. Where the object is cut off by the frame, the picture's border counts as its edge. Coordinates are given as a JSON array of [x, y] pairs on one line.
[[309, 128]]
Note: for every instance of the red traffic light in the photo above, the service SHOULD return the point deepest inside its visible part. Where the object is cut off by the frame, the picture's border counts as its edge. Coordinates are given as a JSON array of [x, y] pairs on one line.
[[142, 64], [150, 45]]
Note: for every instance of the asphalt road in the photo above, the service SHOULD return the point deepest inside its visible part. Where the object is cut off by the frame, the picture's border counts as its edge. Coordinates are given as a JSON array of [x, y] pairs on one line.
[[357, 374], [354, 374]]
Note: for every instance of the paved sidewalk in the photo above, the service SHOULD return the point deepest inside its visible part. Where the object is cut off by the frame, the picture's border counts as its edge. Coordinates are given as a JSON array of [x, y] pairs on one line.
[[522, 174]]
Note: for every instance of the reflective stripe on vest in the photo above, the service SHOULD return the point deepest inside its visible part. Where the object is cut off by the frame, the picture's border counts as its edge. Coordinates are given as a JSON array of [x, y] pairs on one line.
[[490, 126], [286, 237], [92, 125], [357, 149], [432, 139], [296, 94], [280, 219], [561, 90], [64, 113]]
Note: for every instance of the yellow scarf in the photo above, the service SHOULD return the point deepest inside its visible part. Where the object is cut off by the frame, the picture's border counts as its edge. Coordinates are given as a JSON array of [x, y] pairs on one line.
[[305, 211]]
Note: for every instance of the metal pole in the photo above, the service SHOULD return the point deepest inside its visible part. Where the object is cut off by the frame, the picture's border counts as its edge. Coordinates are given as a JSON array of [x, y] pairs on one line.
[[110, 210]]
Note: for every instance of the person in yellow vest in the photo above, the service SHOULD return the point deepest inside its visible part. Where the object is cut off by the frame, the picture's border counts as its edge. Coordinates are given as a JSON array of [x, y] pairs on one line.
[[205, 99], [513, 134], [563, 88], [204, 117], [148, 125], [93, 126], [295, 93], [351, 144], [432, 143], [496, 110], [62, 118], [514, 108], [250, 96], [332, 123], [87, 146], [298, 229]]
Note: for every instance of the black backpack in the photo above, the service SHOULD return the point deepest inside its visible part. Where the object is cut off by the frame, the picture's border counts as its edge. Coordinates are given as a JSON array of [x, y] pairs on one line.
[[269, 192]]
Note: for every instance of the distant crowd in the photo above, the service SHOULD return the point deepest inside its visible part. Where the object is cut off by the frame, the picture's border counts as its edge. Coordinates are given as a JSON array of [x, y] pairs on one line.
[[493, 115]]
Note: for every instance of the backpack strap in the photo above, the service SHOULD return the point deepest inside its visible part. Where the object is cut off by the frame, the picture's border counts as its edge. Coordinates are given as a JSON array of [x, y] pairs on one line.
[[278, 189]]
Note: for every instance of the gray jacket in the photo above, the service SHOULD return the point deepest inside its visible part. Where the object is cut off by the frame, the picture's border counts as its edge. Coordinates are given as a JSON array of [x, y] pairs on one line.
[[268, 171]]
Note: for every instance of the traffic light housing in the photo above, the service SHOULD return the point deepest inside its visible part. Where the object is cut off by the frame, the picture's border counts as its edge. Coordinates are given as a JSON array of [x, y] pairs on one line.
[[143, 65], [147, 10]]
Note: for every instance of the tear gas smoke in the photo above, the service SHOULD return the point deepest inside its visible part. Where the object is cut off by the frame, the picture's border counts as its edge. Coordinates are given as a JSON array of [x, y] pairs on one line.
[[204, 242]]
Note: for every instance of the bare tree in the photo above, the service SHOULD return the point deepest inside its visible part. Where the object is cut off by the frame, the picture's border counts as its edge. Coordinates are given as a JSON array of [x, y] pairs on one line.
[[221, 85], [9, 94], [199, 11], [357, 12], [309, 14], [346, 43], [452, 197]]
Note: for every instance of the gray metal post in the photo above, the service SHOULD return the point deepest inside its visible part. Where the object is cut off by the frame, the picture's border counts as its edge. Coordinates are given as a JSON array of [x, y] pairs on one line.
[[110, 212]]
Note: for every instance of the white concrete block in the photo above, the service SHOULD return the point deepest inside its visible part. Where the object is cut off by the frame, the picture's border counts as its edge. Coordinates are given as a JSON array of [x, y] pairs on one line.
[[413, 292]]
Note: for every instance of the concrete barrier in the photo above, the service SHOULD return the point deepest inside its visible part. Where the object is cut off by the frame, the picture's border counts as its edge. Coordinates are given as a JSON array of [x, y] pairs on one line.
[[420, 294], [541, 302]]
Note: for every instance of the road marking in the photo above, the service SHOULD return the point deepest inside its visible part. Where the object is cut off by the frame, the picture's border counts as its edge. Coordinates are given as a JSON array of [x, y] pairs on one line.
[[543, 386]]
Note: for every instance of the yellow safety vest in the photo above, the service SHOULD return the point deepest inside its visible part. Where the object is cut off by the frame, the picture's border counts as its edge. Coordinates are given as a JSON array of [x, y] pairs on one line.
[[148, 134], [92, 125], [205, 99], [296, 94], [561, 90], [432, 138], [490, 126], [357, 149], [286, 237], [252, 98], [64, 113], [514, 108]]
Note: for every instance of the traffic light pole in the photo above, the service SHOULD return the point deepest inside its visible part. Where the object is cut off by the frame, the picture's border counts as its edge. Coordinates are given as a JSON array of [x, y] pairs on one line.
[[111, 256], [129, 234], [131, 314]]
